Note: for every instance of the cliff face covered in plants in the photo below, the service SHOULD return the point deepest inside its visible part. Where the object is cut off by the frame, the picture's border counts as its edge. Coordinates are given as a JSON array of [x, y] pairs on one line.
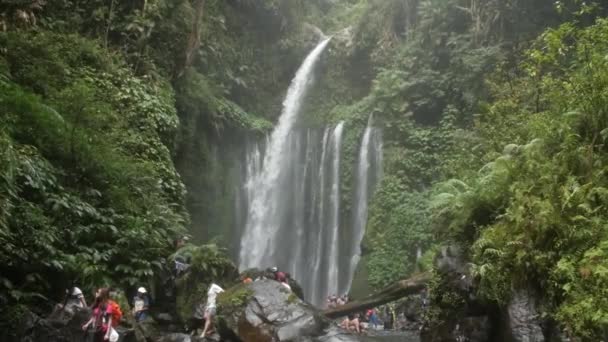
[[121, 123], [492, 121], [109, 110]]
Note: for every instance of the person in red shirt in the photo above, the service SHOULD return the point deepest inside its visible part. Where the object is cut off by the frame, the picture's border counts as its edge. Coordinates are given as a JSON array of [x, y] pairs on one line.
[[101, 320], [278, 275]]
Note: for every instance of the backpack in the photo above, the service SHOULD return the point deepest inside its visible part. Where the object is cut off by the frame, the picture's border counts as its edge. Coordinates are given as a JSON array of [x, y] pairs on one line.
[[116, 312]]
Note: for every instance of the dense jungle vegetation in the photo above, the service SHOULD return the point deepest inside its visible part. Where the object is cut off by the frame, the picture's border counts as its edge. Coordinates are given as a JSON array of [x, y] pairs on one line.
[[118, 119]]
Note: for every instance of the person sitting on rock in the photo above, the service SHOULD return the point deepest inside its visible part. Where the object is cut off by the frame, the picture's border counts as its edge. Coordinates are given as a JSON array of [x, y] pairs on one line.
[[278, 275], [210, 309], [333, 300], [285, 281], [352, 323], [141, 303]]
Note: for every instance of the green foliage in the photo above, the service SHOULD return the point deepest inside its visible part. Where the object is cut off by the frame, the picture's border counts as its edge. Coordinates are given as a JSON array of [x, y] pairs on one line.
[[397, 227], [535, 214], [208, 264], [233, 299], [89, 193]]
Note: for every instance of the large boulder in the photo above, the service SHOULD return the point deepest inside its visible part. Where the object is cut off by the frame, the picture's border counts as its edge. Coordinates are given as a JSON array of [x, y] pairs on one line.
[[64, 325], [524, 322], [265, 310], [458, 312]]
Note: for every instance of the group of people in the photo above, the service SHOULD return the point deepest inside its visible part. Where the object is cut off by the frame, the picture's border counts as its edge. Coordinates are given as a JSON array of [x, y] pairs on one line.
[[359, 322], [106, 312], [334, 301], [210, 308]]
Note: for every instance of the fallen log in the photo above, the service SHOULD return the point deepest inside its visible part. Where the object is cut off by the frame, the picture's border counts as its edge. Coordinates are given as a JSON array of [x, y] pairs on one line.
[[396, 291]]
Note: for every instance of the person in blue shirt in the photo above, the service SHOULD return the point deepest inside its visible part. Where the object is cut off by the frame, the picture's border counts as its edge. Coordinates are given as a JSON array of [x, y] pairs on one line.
[[141, 304]]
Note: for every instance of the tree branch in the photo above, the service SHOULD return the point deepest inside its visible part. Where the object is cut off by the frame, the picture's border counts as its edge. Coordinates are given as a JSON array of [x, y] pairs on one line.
[[396, 291]]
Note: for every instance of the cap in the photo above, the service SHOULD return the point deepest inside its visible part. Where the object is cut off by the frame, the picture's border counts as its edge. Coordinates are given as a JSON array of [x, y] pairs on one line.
[[142, 290], [76, 291], [274, 269]]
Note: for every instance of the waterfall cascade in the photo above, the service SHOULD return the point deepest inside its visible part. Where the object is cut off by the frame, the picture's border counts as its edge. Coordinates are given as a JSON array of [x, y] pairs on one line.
[[307, 239], [289, 203], [369, 171], [264, 211]]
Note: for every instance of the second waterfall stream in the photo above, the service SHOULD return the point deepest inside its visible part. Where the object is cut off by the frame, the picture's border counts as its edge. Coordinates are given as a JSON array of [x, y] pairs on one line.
[[291, 197]]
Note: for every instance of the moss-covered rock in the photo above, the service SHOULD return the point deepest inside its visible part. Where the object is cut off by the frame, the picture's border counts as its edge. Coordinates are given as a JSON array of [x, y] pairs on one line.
[[208, 264], [265, 310]]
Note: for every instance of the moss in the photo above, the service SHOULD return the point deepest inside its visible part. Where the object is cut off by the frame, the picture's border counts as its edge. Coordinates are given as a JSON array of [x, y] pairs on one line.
[[230, 303], [209, 264], [292, 298], [233, 298]]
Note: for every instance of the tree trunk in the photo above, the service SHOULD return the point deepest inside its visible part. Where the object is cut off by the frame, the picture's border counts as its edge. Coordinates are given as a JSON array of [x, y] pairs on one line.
[[389, 294]]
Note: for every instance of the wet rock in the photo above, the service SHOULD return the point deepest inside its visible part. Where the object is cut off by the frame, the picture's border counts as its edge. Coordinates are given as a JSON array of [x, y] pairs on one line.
[[465, 317], [255, 273], [62, 326], [335, 334], [412, 308], [473, 329], [147, 330], [524, 321], [266, 311], [176, 338], [450, 262]]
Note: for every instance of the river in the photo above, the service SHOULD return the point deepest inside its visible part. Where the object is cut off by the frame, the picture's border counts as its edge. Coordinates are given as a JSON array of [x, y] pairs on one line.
[[394, 337]]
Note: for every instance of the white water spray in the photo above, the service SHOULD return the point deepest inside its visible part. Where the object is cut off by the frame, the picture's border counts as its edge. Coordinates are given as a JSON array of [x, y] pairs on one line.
[[263, 212]]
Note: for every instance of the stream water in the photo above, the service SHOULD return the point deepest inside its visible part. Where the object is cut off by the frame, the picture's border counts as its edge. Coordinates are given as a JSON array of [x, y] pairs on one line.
[[394, 337]]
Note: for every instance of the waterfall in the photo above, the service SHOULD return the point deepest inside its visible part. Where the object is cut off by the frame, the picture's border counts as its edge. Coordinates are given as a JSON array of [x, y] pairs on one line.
[[290, 201], [333, 247], [369, 171], [324, 278], [308, 214], [265, 208]]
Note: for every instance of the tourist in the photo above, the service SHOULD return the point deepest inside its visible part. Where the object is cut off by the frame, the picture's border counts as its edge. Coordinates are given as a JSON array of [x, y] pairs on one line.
[[181, 242], [278, 275], [388, 318], [373, 318], [354, 323], [286, 285], [210, 309], [285, 281], [101, 320], [141, 303], [73, 299]]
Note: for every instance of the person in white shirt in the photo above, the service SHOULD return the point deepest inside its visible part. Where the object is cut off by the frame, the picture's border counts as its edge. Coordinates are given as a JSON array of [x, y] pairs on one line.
[[211, 307], [141, 303], [76, 298]]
